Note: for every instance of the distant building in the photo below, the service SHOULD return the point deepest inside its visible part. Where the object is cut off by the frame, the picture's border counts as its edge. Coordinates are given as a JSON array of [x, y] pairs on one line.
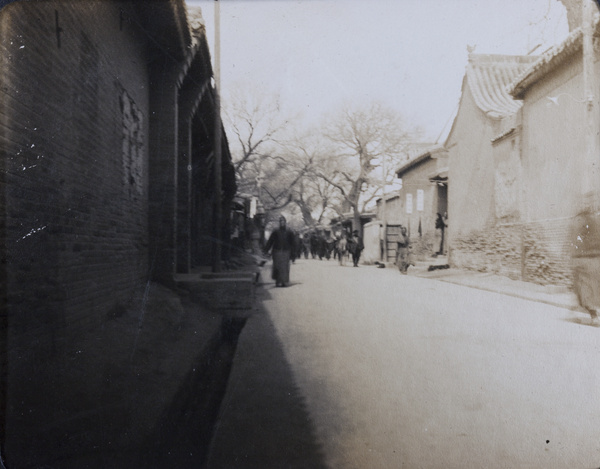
[[424, 194], [345, 222]]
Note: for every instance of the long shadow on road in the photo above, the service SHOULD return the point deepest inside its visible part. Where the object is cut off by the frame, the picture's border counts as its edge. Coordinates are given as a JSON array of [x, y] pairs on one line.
[[263, 422]]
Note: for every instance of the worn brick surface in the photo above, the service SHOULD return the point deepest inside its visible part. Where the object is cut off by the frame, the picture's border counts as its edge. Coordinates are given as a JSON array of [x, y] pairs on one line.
[[537, 251], [89, 129], [76, 238]]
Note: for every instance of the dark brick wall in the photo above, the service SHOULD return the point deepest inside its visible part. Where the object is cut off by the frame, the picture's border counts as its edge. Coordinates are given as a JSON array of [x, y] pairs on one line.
[[163, 170], [76, 212]]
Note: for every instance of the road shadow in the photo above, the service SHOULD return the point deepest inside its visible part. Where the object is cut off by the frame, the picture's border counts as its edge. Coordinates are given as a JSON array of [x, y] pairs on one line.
[[182, 436], [583, 321], [263, 421], [272, 285]]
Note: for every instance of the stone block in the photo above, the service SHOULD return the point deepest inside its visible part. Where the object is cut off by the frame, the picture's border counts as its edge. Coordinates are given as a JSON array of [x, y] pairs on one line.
[[220, 292]]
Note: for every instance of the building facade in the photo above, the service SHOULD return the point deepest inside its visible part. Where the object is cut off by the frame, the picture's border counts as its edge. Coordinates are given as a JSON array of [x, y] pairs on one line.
[[484, 225], [107, 121], [559, 154], [424, 194]]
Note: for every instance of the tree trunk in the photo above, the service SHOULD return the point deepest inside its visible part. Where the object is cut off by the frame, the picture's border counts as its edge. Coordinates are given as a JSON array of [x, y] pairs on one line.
[[306, 215], [356, 221]]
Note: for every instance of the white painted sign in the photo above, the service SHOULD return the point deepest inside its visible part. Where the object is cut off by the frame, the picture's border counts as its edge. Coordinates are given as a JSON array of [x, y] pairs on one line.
[[409, 203], [420, 199]]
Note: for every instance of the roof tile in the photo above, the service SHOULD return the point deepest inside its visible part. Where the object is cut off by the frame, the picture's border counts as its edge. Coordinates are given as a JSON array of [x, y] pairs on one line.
[[489, 77]]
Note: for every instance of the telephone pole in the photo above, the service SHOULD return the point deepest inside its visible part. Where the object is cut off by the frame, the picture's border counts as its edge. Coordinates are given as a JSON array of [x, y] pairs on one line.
[[383, 211], [591, 183], [218, 183]]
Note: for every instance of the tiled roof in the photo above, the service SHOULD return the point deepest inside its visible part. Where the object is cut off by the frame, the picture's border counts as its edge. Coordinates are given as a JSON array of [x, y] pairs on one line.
[[430, 152], [416, 149], [550, 60], [489, 77]]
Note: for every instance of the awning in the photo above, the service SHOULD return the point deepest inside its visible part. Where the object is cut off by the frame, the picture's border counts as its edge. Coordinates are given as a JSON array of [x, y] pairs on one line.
[[441, 175]]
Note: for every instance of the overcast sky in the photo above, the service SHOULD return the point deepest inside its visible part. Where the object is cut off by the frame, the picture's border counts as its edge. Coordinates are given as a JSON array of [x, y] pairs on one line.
[[410, 54]]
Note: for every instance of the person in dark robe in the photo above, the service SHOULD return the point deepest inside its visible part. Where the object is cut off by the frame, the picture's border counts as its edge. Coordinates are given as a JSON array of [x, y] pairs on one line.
[[282, 244], [585, 255], [356, 247], [441, 223], [402, 252], [314, 244]]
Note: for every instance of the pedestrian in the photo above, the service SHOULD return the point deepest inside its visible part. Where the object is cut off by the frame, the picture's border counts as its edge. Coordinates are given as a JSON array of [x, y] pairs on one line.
[[586, 262], [402, 253], [357, 247], [282, 244], [306, 245], [341, 248], [330, 245], [314, 244], [440, 224], [297, 247], [321, 245]]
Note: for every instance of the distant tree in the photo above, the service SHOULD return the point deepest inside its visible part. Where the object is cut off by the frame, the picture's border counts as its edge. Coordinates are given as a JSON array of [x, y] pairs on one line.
[[361, 138], [313, 196], [255, 127], [259, 138], [273, 163]]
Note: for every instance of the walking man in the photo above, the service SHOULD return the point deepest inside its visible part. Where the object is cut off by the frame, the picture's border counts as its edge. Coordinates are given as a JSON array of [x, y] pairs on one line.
[[441, 223], [357, 247], [402, 253], [282, 243]]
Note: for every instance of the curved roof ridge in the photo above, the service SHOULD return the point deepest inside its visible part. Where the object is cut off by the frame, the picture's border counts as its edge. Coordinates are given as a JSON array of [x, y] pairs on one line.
[[551, 58], [496, 80], [489, 77]]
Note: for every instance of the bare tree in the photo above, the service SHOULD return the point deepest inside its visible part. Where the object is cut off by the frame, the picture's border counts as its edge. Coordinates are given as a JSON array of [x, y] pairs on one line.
[[281, 177], [255, 123], [362, 138], [315, 197], [263, 162], [269, 162]]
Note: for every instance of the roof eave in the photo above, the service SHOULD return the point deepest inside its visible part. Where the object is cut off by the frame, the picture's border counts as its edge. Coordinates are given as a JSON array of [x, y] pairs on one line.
[[431, 153], [412, 163], [546, 63]]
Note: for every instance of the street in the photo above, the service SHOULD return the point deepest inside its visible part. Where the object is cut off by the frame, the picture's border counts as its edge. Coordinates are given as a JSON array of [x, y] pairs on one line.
[[400, 371]]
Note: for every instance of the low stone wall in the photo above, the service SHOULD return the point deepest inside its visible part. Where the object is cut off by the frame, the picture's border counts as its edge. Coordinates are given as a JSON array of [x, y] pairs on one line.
[[372, 251], [535, 252], [220, 292], [496, 250], [547, 254]]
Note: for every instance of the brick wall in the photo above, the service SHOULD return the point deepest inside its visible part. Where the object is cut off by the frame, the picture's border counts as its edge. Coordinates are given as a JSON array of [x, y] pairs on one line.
[[537, 251], [496, 249], [75, 145], [547, 251]]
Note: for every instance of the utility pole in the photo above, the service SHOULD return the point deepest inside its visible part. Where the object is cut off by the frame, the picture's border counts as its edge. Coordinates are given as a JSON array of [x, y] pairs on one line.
[[590, 184], [383, 210], [218, 183]]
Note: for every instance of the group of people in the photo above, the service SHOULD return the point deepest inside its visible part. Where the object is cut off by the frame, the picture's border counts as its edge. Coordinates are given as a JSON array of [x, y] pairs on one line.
[[285, 246], [348, 245]]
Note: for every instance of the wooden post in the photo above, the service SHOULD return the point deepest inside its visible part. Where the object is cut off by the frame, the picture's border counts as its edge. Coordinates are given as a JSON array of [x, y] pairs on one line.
[[218, 236], [590, 185]]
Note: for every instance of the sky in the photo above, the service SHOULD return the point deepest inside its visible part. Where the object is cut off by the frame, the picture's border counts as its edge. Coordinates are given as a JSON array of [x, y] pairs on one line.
[[408, 54]]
